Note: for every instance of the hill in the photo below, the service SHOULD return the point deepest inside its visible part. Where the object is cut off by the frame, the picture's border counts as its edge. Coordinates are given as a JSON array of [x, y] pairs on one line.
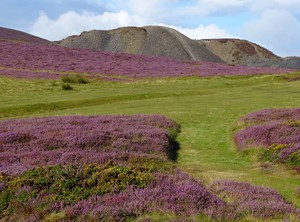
[[11, 34], [292, 62], [163, 41], [243, 52], [149, 40]]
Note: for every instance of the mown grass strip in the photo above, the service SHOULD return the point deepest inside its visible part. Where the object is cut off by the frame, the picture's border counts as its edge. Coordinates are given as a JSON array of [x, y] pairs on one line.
[[24, 110]]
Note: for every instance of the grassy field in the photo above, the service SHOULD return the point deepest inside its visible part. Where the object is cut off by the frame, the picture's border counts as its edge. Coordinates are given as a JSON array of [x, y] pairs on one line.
[[206, 108]]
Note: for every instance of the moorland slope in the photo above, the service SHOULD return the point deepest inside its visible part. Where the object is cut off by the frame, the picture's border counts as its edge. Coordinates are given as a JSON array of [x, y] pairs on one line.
[[15, 35]]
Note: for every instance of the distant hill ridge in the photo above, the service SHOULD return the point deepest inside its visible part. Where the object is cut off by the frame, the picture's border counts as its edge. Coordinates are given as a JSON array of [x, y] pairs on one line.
[[15, 35], [163, 41]]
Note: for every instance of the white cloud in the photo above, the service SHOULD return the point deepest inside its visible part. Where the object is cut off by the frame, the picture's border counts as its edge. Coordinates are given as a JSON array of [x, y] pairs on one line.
[[203, 32], [151, 10], [275, 24], [290, 5], [71, 23], [277, 30], [208, 7]]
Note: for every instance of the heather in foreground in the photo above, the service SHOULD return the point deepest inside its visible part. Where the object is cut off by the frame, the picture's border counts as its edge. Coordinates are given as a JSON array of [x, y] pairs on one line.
[[111, 168], [254, 201], [277, 131], [95, 168]]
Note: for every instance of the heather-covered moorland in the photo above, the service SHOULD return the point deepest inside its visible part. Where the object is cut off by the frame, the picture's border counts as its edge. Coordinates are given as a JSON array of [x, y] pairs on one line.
[[277, 131], [206, 110], [129, 167], [115, 168], [49, 62]]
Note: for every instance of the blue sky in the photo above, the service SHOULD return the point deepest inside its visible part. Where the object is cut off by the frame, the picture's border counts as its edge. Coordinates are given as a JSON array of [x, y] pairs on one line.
[[274, 24]]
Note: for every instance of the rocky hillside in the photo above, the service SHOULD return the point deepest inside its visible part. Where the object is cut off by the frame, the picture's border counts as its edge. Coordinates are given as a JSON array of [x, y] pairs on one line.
[[292, 62], [242, 52], [149, 40], [14, 35], [163, 41]]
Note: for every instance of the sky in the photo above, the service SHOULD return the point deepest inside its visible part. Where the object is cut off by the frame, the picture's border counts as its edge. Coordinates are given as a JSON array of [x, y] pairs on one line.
[[274, 24]]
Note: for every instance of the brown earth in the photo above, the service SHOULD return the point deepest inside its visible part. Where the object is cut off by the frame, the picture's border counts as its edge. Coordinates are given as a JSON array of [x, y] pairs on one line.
[[241, 52]]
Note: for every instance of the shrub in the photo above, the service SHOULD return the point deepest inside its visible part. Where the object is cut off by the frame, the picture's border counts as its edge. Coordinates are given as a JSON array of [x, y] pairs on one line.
[[277, 131], [256, 201], [66, 86], [74, 79], [271, 153], [294, 159], [39, 188]]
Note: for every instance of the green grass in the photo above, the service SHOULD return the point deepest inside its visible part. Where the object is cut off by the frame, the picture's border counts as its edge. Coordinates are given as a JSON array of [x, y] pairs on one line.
[[206, 108]]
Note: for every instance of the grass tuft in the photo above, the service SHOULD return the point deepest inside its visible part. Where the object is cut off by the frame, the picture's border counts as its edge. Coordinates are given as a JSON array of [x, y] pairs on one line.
[[66, 86], [79, 79]]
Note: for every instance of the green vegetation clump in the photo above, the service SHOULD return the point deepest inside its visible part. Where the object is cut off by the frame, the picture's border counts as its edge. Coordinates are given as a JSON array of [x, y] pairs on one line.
[[150, 164], [271, 153], [39, 187], [294, 159], [79, 79], [66, 86]]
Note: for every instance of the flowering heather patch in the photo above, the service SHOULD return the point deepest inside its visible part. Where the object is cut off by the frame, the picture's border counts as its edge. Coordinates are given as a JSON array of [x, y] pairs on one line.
[[257, 201], [97, 167], [17, 73], [27, 143], [108, 193], [109, 168], [37, 58], [277, 131], [177, 193], [267, 115], [268, 134]]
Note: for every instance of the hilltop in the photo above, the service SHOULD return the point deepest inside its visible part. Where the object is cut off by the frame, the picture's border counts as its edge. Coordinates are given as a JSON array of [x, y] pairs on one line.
[[163, 41], [148, 40]]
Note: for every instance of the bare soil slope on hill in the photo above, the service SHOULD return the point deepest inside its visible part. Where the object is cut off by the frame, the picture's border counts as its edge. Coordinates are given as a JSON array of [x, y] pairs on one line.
[[149, 40], [10, 34], [242, 52]]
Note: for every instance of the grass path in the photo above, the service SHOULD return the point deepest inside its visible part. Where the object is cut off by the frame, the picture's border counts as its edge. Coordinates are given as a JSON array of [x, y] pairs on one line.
[[207, 110]]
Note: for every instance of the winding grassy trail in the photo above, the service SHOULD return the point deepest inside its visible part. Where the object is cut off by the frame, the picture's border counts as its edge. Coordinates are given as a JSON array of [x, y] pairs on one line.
[[206, 108]]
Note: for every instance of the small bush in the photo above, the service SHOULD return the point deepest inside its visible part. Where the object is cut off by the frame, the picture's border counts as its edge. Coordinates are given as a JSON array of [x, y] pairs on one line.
[[294, 159], [297, 192], [74, 79], [271, 154], [73, 183], [66, 86], [54, 83]]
